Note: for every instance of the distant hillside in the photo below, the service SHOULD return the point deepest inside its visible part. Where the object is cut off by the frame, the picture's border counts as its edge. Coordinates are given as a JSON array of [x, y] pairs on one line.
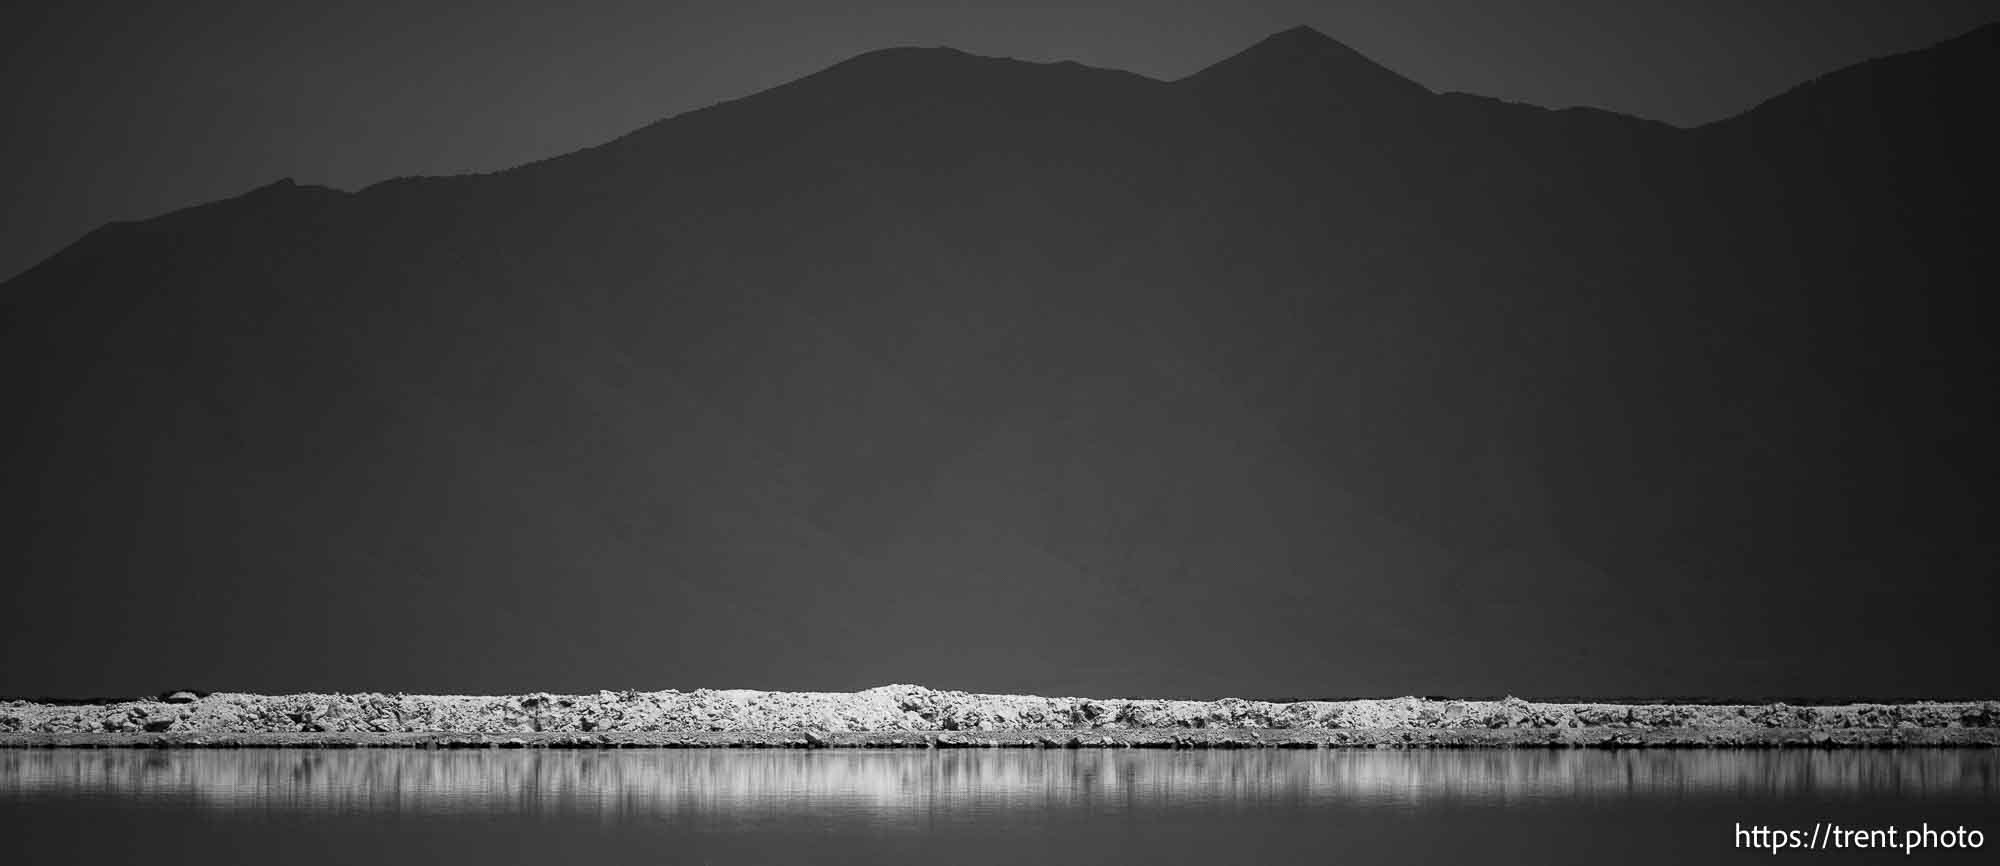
[[935, 367]]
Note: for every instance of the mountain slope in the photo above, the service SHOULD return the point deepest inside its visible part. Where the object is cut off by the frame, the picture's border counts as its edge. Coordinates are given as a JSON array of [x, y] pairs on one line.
[[1286, 378]]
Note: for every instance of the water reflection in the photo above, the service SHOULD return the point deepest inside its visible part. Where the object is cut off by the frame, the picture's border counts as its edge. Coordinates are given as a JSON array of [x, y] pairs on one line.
[[911, 786]]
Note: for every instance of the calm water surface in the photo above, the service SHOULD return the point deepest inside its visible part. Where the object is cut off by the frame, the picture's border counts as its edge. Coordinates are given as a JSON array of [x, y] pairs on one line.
[[971, 806]]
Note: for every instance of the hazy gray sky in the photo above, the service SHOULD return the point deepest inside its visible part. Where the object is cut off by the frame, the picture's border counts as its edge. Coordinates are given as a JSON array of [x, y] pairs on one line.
[[127, 110]]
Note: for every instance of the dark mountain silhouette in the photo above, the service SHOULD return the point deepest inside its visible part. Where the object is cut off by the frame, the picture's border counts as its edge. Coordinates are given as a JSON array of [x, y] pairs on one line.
[[1303, 64], [1289, 377]]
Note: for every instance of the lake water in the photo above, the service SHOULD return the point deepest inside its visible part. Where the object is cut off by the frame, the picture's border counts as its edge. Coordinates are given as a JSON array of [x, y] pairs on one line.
[[974, 806]]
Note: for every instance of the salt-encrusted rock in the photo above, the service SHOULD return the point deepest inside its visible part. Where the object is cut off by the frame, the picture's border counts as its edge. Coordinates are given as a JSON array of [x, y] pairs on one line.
[[914, 708], [157, 718]]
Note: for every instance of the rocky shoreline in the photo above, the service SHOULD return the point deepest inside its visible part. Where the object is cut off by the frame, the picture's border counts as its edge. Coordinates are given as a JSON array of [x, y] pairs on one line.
[[905, 716]]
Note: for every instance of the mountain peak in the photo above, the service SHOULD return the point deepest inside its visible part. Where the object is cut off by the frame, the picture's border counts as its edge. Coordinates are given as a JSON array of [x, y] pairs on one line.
[[1303, 57], [1302, 34]]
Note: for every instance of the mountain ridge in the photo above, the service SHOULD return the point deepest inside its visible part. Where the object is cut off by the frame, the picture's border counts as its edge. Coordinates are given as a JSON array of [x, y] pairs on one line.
[[1464, 374], [1291, 42]]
